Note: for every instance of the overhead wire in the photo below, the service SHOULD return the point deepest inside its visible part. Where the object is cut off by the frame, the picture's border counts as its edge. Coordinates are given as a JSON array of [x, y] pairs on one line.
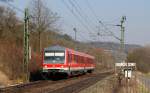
[[111, 33], [92, 10], [93, 13], [79, 32], [69, 25], [21, 11], [86, 27], [76, 16], [96, 17], [83, 15], [81, 35], [80, 15]]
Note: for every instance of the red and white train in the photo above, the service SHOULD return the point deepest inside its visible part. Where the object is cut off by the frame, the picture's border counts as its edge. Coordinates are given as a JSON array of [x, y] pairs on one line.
[[58, 59]]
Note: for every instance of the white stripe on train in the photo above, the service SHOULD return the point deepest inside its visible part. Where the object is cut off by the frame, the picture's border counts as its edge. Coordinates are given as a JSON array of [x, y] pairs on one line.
[[71, 68]]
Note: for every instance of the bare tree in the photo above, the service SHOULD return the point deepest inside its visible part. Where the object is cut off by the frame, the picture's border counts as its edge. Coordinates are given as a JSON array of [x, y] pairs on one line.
[[8, 23], [43, 19]]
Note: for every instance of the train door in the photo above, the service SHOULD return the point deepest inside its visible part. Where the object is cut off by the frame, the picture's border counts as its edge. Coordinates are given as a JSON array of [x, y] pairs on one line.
[[69, 62]]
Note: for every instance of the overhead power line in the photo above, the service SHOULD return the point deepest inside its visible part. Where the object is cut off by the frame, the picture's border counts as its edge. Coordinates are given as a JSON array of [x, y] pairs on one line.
[[80, 35], [83, 13], [111, 33], [75, 15], [98, 20], [92, 10], [83, 17]]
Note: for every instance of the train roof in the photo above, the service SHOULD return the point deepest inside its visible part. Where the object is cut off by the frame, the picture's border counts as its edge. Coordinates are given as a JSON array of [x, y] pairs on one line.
[[61, 48], [80, 53], [55, 47]]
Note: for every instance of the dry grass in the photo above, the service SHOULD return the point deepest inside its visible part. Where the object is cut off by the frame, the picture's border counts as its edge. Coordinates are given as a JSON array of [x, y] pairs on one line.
[[128, 87], [4, 79], [141, 57], [11, 59], [143, 86]]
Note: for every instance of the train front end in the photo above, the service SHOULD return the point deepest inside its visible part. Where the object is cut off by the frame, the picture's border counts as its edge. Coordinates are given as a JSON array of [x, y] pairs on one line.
[[54, 60]]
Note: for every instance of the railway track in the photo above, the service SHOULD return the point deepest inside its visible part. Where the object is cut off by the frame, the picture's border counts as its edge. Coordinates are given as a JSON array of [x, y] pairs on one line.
[[72, 85], [77, 87], [18, 87]]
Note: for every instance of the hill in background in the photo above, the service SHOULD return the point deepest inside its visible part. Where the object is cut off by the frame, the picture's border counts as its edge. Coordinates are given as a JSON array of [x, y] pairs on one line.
[[113, 46]]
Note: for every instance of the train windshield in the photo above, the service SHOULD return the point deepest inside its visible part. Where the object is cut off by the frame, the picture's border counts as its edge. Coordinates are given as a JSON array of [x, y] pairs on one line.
[[54, 57]]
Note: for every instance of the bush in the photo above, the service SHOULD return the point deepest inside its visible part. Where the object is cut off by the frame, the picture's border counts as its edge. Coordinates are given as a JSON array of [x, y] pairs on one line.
[[141, 57]]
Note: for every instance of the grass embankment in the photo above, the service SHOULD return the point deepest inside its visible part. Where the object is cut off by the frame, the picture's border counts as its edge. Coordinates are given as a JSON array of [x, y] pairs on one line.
[[142, 89]]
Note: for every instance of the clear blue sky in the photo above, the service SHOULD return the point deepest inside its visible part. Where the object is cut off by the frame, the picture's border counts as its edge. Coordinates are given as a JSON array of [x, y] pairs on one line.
[[109, 11]]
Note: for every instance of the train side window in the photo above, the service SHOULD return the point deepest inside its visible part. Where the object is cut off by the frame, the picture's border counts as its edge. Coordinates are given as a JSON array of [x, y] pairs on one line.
[[81, 59], [75, 58], [88, 61], [84, 60], [69, 57], [72, 58]]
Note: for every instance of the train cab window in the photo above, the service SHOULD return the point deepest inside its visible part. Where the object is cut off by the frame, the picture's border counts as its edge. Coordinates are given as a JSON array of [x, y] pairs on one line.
[[54, 57]]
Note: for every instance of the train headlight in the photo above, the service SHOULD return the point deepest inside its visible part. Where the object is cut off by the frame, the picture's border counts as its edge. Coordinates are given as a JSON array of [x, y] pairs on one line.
[[62, 66], [45, 66]]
